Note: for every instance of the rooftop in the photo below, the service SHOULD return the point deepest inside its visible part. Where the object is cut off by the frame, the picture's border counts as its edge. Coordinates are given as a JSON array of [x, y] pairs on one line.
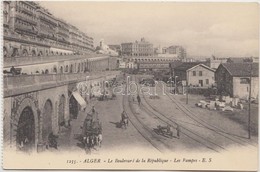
[[187, 65], [242, 69]]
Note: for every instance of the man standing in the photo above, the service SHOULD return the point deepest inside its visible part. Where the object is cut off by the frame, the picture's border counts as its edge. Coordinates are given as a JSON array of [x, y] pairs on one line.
[[124, 115], [178, 131], [138, 99]]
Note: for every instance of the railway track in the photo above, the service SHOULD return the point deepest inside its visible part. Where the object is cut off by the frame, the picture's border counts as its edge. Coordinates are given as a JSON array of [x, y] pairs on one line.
[[144, 130], [219, 131], [196, 138]]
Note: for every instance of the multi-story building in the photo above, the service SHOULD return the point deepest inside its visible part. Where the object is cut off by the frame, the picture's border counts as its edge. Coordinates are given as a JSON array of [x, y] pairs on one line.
[[47, 24], [23, 19], [62, 32], [142, 48], [30, 30], [173, 51], [6, 14], [179, 51]]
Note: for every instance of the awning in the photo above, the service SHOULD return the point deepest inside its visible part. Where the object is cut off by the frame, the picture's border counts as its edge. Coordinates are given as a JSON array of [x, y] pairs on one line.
[[79, 99]]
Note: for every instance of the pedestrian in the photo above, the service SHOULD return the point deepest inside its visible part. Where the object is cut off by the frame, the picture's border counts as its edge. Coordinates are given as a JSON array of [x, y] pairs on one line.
[[178, 131], [12, 70], [93, 109], [138, 99]]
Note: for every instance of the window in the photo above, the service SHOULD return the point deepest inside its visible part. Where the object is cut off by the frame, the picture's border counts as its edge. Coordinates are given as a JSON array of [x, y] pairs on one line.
[[194, 73], [244, 80], [200, 73], [207, 81]]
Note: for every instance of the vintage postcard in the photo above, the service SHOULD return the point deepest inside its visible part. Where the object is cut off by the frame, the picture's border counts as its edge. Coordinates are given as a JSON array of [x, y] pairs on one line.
[[130, 85]]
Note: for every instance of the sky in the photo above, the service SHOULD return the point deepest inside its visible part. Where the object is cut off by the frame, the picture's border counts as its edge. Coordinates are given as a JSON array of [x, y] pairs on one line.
[[204, 29]]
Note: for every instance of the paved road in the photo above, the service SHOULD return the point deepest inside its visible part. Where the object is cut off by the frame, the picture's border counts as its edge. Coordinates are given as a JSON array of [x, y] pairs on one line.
[[114, 138]]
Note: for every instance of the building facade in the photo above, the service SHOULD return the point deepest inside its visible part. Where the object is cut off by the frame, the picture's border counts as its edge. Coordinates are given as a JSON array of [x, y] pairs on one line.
[[30, 30], [233, 79], [138, 49], [201, 75], [178, 52], [195, 74]]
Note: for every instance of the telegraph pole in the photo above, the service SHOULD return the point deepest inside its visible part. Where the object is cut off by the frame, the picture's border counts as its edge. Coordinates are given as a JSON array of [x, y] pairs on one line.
[[249, 106]]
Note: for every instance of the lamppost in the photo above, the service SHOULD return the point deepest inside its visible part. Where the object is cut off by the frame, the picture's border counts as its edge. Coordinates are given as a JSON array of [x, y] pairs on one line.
[[175, 88]]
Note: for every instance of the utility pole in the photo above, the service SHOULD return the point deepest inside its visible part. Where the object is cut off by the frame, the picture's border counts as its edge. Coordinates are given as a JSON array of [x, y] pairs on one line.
[[187, 89], [175, 82], [187, 92], [249, 106]]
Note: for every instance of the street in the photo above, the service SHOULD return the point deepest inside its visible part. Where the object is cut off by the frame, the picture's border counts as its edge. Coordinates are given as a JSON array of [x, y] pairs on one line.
[[197, 132]]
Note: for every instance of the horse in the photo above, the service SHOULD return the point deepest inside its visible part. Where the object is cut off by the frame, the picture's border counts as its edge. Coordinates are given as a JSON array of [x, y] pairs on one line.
[[98, 139], [89, 142]]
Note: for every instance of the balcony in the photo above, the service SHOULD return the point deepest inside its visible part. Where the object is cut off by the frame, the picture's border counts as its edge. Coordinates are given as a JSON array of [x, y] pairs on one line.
[[26, 18], [25, 28], [48, 19], [61, 32], [25, 10]]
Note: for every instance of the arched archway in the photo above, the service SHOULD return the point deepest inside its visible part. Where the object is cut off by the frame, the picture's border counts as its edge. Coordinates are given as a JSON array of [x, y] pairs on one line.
[[15, 52], [61, 111], [54, 69], [5, 52], [46, 71], [66, 68], [47, 114], [33, 53], [78, 67], [73, 107], [25, 136], [61, 69], [40, 53], [25, 52], [71, 68]]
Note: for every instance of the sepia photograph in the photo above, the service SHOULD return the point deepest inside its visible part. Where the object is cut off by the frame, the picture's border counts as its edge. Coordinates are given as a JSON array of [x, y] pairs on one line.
[[91, 85]]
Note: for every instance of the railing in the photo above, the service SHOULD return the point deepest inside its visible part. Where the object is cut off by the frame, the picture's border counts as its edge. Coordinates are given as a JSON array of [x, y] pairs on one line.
[[40, 41], [26, 10], [8, 62], [20, 81], [25, 28], [48, 19], [27, 18]]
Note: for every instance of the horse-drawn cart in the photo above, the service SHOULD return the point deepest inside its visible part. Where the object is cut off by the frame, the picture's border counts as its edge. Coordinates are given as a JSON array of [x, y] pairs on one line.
[[165, 131], [91, 131]]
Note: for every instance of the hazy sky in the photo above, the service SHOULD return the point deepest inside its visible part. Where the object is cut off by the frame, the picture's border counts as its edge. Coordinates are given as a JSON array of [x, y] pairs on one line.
[[223, 29]]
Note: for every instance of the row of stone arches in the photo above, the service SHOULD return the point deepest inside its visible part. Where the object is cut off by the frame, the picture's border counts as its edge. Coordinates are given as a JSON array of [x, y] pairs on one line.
[[151, 59], [34, 127], [16, 52], [72, 68], [26, 52]]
